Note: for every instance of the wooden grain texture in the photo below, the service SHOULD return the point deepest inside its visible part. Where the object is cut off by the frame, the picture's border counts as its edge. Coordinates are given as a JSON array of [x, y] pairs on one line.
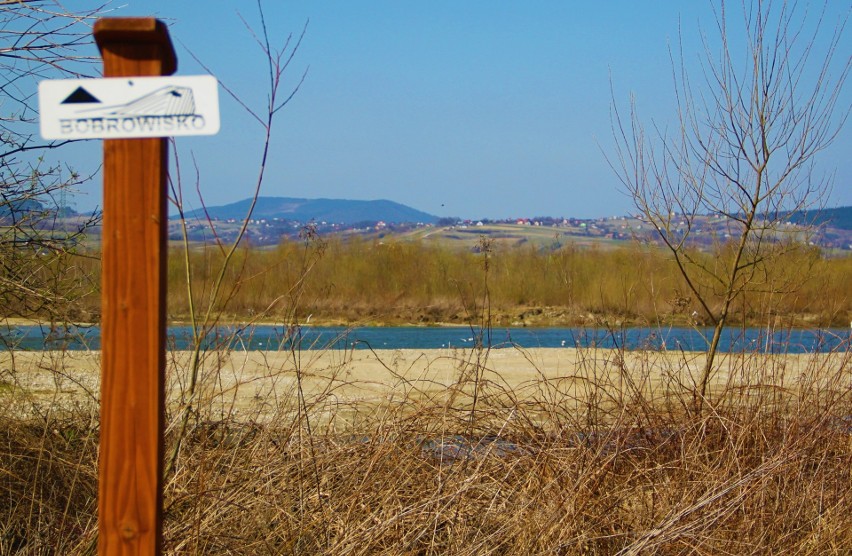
[[133, 312]]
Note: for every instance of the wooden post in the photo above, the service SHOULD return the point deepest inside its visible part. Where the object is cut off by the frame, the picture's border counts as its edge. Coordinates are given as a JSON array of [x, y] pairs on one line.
[[130, 492]]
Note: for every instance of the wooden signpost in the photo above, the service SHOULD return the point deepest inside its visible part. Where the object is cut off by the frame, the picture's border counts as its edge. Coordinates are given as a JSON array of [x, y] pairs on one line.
[[130, 492], [133, 108]]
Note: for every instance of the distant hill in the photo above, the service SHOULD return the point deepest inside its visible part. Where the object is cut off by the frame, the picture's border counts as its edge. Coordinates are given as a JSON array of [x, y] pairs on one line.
[[840, 217], [340, 211], [21, 206]]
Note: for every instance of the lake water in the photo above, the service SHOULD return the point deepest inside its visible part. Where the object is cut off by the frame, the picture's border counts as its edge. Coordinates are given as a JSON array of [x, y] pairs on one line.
[[268, 337]]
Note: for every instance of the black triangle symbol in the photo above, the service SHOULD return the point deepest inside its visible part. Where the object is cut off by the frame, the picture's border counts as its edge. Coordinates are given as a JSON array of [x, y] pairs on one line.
[[80, 96]]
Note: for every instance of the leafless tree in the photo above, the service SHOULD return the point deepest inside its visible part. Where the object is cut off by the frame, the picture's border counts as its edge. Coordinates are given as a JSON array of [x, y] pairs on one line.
[[38, 40], [765, 99]]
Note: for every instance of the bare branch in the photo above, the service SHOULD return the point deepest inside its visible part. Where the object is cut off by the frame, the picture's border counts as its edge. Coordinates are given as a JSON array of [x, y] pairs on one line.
[[747, 136]]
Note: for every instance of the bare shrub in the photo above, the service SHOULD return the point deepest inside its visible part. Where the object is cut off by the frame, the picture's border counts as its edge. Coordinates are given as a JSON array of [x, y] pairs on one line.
[[747, 131]]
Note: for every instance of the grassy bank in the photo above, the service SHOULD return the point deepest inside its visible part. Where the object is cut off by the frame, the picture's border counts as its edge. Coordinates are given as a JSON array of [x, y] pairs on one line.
[[339, 280], [454, 452]]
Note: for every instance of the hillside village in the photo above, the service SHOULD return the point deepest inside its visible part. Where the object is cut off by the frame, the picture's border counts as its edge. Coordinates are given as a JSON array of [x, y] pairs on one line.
[[408, 224], [709, 229]]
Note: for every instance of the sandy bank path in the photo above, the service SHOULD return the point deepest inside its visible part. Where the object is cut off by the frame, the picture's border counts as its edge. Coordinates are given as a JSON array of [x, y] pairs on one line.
[[254, 379]]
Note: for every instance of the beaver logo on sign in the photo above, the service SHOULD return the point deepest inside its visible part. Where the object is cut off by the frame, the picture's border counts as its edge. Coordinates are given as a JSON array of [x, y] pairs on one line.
[[165, 110], [146, 107]]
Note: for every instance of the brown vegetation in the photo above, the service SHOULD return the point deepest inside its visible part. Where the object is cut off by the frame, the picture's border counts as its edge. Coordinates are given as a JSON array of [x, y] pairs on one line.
[[388, 282], [604, 456]]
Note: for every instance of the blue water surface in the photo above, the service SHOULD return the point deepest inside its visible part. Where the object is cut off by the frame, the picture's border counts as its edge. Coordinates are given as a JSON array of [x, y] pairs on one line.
[[270, 337]]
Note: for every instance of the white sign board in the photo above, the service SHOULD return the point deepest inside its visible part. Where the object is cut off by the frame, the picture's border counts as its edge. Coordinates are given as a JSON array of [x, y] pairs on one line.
[[128, 107]]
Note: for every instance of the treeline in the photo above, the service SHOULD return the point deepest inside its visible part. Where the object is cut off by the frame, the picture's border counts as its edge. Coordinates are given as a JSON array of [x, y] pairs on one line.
[[353, 280]]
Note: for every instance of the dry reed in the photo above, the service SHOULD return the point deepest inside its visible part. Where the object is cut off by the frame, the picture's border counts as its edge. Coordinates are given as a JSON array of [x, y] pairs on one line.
[[606, 456]]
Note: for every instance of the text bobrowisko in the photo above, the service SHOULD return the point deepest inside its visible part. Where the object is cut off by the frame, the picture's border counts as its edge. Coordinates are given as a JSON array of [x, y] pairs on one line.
[[167, 123]]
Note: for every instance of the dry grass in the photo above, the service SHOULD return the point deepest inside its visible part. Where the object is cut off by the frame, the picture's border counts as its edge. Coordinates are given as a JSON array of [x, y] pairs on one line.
[[400, 282], [474, 452], [391, 282]]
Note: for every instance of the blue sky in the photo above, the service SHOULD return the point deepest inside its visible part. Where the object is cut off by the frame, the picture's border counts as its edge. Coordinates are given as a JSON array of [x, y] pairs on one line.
[[477, 109]]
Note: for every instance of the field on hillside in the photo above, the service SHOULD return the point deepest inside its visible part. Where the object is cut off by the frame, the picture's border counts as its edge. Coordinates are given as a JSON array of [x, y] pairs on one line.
[[469, 236]]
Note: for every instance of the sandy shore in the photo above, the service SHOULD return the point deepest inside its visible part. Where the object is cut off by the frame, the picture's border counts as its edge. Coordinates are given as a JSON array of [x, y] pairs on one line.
[[252, 381]]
